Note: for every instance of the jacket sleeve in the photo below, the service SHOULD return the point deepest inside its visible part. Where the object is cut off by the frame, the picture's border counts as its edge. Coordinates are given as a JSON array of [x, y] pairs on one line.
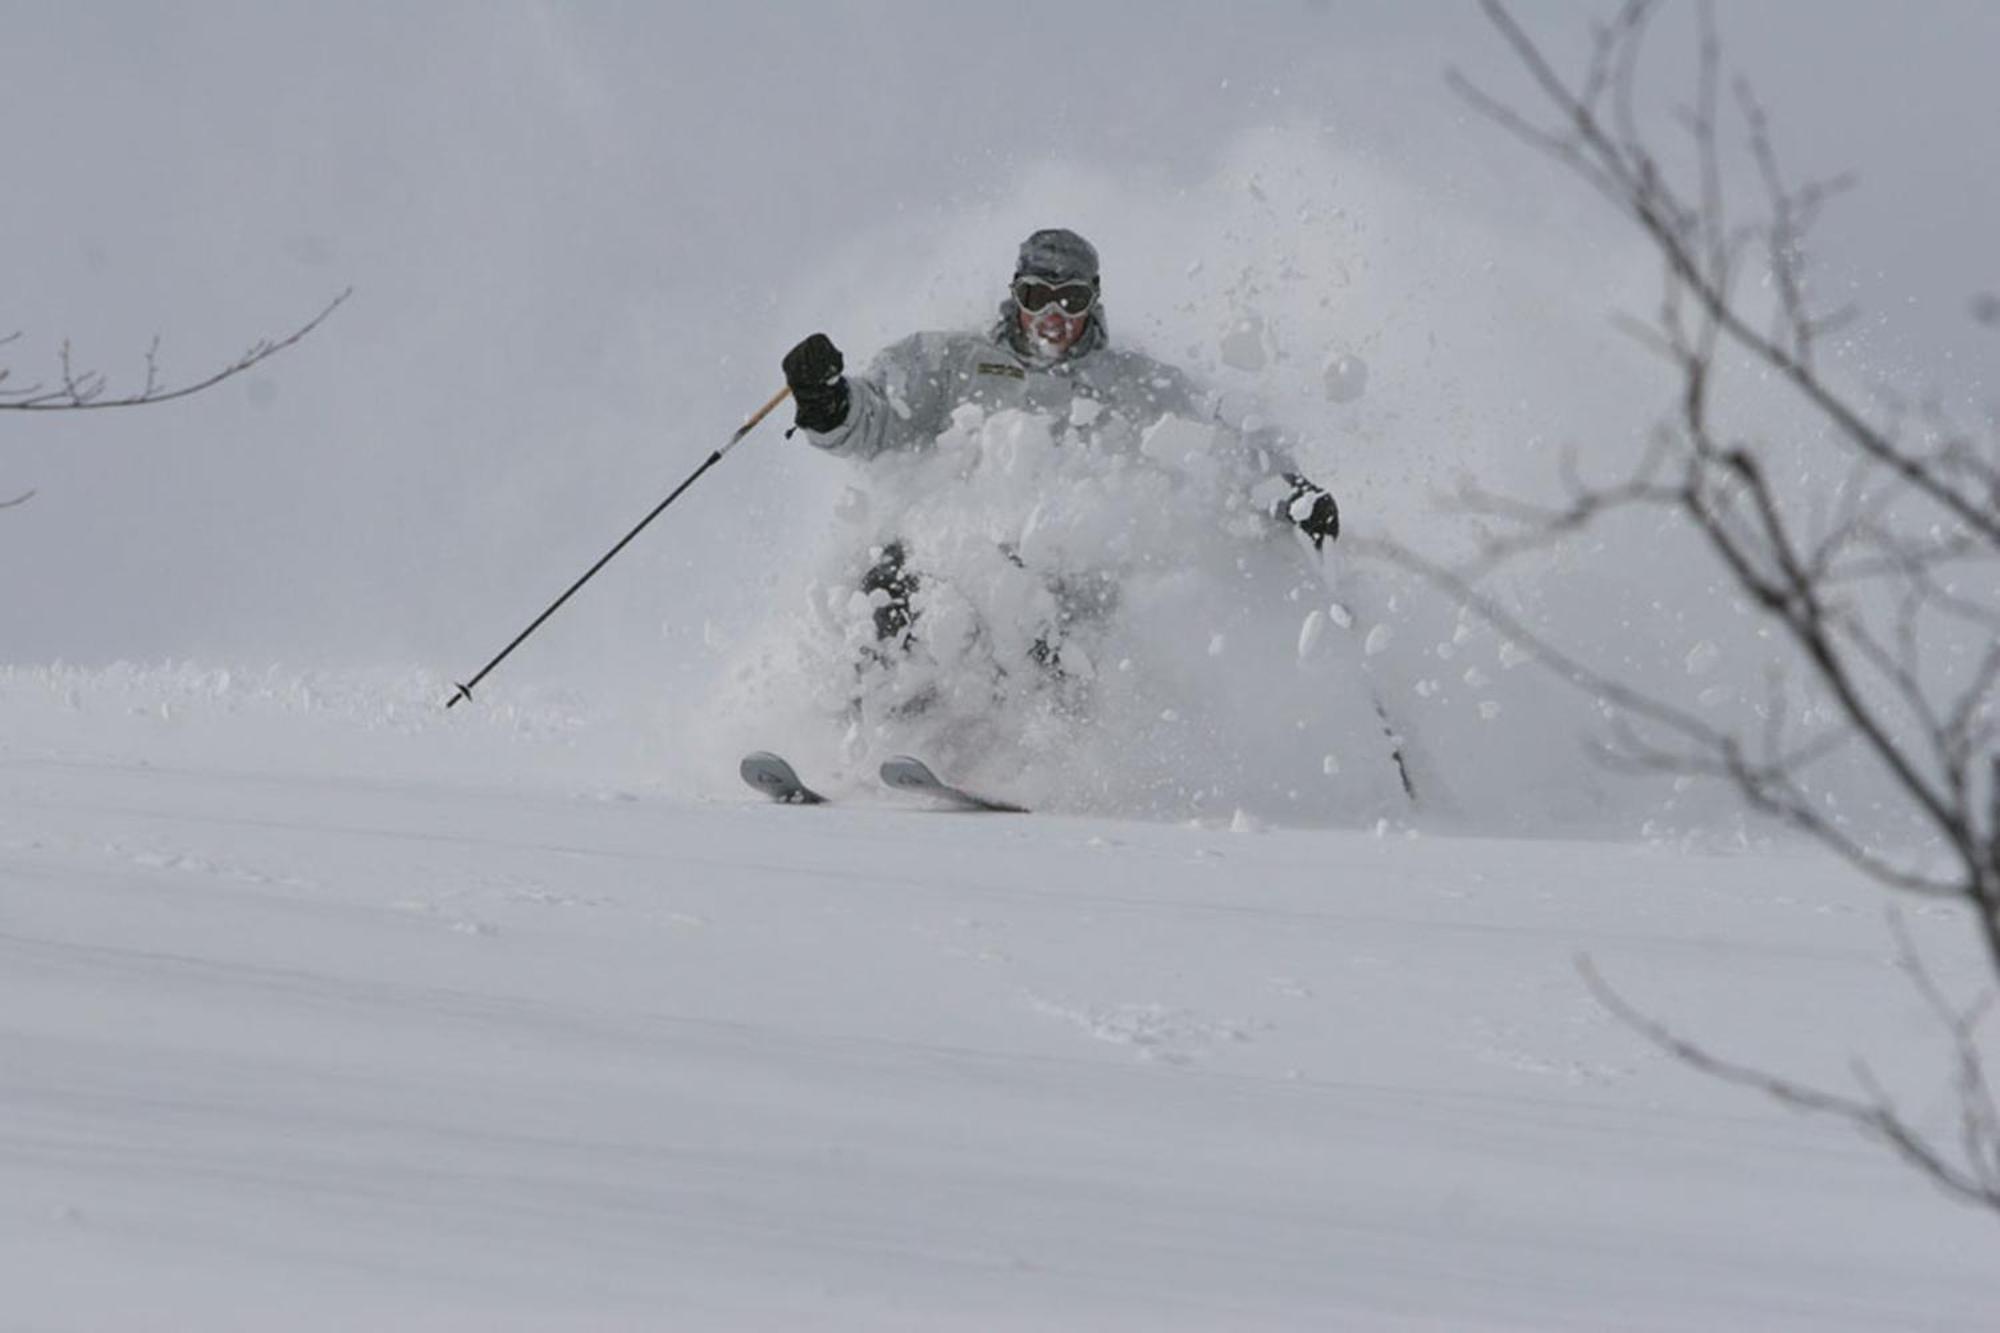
[[1274, 483], [902, 401], [1263, 452]]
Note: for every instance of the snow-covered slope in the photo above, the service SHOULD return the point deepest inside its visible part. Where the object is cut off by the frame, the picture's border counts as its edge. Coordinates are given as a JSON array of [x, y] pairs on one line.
[[297, 1031]]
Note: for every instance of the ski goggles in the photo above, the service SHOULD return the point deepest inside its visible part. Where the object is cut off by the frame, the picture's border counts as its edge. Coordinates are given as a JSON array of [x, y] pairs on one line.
[[1073, 298]]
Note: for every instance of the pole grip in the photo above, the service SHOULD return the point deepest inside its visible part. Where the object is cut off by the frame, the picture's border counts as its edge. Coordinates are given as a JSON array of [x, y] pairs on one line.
[[751, 423]]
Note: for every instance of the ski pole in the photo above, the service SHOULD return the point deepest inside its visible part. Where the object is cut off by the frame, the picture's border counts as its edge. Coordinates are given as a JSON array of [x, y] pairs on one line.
[[1394, 734], [465, 690]]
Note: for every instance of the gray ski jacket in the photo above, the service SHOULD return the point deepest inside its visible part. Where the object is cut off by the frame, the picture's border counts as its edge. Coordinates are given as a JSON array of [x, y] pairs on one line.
[[908, 393]]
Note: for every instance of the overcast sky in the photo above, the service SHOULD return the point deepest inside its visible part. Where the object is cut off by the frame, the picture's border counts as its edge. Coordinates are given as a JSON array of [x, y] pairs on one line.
[[582, 235]]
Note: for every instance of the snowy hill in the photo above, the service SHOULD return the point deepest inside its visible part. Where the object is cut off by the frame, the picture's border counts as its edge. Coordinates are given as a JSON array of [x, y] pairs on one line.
[[290, 1046], [323, 1008]]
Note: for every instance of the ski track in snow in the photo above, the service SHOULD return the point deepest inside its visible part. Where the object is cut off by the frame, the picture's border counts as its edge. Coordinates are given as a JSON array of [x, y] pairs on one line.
[[299, 1050]]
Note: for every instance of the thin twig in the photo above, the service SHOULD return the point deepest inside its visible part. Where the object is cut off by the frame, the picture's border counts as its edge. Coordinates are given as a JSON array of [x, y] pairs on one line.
[[81, 390]]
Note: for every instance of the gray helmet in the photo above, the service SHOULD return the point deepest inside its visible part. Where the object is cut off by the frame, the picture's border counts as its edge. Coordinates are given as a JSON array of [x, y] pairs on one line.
[[1057, 254]]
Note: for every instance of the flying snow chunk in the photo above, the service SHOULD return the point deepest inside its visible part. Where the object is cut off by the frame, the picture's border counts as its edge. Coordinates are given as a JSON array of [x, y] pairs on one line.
[[1176, 443], [1701, 658], [1378, 640], [1243, 346], [1311, 631], [1217, 643], [1345, 378], [852, 506]]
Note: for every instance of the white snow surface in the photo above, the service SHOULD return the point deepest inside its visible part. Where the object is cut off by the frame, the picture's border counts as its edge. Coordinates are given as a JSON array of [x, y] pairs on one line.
[[322, 1007], [325, 1009]]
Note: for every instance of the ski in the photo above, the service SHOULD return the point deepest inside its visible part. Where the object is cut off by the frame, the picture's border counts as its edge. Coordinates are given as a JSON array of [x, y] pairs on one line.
[[907, 774], [777, 779]]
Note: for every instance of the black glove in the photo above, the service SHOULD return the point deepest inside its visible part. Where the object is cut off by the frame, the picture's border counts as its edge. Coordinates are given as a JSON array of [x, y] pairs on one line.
[[1311, 509], [813, 369]]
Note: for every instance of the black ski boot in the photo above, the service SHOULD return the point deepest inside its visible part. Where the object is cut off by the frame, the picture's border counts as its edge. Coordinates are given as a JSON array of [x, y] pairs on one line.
[[894, 616], [890, 574]]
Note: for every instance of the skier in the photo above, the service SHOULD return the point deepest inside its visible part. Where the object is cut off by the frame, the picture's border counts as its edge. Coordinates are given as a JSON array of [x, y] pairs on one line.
[[1048, 349]]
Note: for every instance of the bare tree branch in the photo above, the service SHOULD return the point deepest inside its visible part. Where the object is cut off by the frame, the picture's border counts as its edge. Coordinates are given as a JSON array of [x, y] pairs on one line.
[[1768, 785], [1884, 586], [78, 390], [1630, 178], [1972, 1179]]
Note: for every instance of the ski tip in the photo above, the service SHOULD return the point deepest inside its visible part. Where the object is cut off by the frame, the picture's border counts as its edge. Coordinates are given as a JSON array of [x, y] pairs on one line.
[[770, 774], [909, 772]]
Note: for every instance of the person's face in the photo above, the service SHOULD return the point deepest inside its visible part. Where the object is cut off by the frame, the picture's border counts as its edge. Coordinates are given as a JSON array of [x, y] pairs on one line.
[[1054, 314], [1054, 329]]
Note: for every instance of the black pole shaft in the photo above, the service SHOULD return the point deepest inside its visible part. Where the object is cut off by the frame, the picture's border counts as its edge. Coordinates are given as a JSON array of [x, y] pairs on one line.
[[465, 690]]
